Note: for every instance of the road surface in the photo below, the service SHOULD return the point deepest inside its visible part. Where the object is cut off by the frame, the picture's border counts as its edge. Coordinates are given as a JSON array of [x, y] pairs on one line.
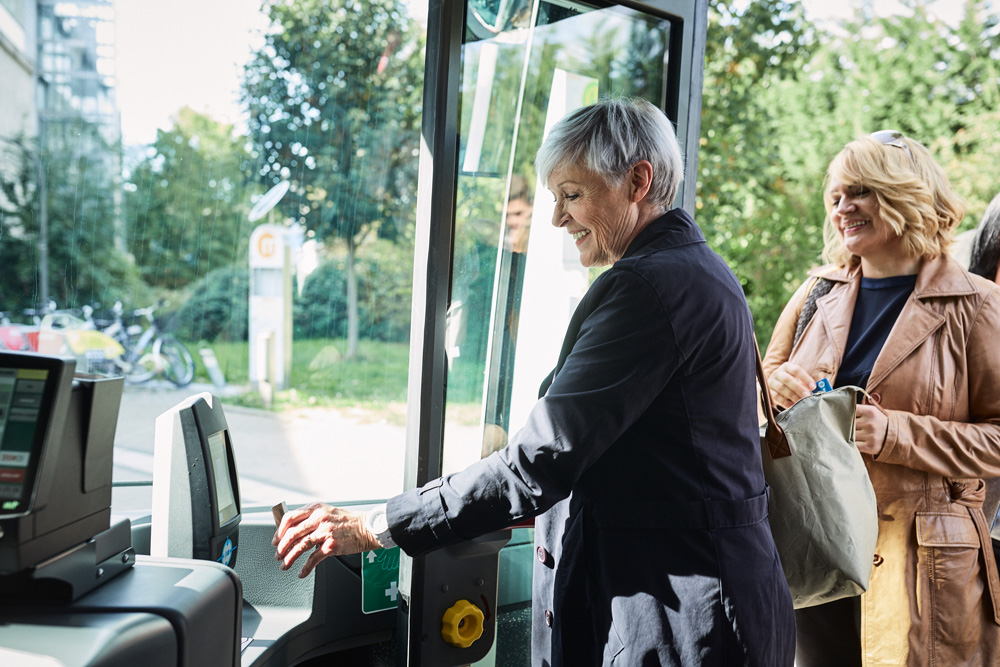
[[299, 455]]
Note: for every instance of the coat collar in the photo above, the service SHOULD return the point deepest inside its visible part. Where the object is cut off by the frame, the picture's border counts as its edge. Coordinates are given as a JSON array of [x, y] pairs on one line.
[[938, 277], [673, 228]]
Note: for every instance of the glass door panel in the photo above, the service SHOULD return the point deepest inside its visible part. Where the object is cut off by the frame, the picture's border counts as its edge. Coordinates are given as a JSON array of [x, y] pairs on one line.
[[516, 279]]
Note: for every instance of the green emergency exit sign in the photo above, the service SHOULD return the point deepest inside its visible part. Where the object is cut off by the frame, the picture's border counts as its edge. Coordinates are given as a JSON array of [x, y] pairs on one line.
[[379, 580]]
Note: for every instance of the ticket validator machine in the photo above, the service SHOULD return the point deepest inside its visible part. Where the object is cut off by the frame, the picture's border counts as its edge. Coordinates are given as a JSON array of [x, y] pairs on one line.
[[196, 493], [56, 437], [72, 590]]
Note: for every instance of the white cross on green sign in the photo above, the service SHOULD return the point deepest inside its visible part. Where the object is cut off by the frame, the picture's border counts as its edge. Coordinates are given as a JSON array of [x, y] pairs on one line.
[[379, 580]]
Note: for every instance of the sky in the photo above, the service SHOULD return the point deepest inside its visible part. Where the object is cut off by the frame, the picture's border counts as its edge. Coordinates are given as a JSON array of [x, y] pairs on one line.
[[949, 11], [176, 53], [189, 52]]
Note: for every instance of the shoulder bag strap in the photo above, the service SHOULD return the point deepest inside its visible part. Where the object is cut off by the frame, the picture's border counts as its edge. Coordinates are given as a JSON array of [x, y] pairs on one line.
[[774, 437], [820, 287]]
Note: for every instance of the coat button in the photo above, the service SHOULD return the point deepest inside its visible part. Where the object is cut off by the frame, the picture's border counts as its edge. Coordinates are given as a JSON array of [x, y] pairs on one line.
[[548, 618], [544, 557], [878, 560]]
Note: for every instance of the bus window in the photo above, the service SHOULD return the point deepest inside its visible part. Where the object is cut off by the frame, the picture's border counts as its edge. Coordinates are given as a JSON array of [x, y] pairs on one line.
[[156, 170]]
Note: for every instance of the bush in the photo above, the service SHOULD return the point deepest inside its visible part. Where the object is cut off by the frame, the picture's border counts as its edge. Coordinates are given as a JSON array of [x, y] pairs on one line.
[[218, 306], [385, 273]]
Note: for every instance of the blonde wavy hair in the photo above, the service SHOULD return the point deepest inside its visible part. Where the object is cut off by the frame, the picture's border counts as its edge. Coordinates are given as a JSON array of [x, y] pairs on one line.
[[914, 196]]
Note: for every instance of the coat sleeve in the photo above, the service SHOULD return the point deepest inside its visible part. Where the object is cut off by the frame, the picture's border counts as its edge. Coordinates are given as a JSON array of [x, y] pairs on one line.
[[779, 349], [954, 448], [621, 358]]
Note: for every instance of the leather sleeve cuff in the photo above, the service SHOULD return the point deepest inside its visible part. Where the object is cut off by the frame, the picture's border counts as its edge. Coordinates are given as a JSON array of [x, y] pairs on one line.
[[891, 437]]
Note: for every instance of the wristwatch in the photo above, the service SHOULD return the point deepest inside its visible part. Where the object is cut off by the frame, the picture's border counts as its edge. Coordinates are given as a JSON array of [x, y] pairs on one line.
[[378, 523]]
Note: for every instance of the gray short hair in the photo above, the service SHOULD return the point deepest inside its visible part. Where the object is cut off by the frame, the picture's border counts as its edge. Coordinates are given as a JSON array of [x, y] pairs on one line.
[[609, 137]]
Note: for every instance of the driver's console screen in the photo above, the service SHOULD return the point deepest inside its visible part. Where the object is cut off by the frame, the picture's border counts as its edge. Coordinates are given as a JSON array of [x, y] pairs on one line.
[[21, 403]]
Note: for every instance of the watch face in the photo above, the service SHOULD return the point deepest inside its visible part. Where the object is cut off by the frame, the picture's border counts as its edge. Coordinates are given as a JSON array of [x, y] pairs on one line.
[[377, 522]]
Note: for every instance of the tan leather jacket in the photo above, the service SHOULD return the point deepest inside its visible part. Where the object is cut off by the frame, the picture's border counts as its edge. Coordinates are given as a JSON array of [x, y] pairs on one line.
[[934, 594]]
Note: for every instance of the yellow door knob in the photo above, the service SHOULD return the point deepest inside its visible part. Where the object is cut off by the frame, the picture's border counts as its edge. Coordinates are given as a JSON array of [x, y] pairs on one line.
[[462, 624]]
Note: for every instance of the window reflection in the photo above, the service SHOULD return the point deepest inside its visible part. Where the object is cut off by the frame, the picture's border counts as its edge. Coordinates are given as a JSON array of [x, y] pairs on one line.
[[525, 65]]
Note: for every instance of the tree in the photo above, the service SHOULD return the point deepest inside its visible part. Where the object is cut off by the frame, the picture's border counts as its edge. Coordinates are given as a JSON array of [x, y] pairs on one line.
[[218, 307], [86, 264], [18, 227], [974, 143], [911, 72], [781, 98], [386, 270], [745, 205], [186, 202], [334, 101]]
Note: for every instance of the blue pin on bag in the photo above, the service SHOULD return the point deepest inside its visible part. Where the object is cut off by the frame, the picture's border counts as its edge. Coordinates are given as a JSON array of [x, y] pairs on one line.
[[822, 386]]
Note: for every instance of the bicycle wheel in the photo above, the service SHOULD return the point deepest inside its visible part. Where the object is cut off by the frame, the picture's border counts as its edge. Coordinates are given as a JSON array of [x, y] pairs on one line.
[[138, 365], [179, 364]]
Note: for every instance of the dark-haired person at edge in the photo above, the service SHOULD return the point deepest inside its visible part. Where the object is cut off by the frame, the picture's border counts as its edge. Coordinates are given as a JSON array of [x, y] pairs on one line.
[[985, 260], [641, 458], [893, 313]]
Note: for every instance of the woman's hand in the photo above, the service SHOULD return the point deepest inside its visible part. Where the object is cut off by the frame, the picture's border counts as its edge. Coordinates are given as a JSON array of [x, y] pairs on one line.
[[788, 383], [331, 530], [870, 426]]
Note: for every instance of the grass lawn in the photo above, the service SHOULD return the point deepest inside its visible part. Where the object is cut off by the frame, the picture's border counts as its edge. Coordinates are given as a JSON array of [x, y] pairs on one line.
[[374, 380]]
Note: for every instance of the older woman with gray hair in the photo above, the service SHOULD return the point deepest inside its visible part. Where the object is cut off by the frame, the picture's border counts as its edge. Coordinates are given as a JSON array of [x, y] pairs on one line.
[[641, 458]]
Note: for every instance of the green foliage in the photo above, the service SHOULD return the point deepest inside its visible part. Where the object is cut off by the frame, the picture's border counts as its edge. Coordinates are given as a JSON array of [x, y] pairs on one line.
[[232, 357], [334, 99], [334, 107], [185, 202], [218, 306], [782, 98], [321, 376], [378, 374], [745, 203], [85, 264], [385, 273], [18, 229]]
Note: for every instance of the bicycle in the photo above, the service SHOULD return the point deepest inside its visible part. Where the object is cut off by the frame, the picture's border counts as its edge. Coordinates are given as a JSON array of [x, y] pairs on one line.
[[64, 332], [149, 351], [13, 336]]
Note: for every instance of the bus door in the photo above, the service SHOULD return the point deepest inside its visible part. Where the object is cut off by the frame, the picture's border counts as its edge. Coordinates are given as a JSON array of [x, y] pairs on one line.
[[495, 283]]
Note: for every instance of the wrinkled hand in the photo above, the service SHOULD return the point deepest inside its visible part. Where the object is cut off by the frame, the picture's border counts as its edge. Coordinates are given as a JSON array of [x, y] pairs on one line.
[[870, 427], [329, 531], [788, 383]]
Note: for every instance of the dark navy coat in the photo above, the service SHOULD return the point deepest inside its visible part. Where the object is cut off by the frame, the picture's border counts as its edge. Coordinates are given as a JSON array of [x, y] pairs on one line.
[[642, 462]]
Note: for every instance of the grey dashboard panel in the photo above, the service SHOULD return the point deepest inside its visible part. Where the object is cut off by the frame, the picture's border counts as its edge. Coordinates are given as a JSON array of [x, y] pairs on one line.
[[87, 640]]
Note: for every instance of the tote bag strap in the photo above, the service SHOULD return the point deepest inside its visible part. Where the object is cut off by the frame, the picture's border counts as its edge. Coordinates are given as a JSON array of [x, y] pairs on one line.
[[774, 437]]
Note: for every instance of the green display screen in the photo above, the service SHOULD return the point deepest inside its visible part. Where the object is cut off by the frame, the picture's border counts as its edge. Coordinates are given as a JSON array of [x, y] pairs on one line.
[[22, 392]]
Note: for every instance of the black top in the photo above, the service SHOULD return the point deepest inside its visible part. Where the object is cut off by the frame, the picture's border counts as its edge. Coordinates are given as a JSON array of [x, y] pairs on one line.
[[880, 300]]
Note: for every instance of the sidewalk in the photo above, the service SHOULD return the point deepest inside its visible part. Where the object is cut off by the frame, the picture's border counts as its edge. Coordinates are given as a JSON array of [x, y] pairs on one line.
[[296, 456]]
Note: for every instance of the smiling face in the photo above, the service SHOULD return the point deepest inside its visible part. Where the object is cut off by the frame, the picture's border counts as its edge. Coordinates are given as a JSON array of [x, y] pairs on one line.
[[854, 214], [602, 219], [518, 225]]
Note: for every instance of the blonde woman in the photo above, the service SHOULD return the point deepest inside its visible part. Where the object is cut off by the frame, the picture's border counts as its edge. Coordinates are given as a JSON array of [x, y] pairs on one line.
[[893, 313]]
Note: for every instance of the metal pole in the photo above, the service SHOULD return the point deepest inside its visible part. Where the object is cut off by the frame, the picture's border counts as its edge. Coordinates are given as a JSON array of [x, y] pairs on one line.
[[43, 218]]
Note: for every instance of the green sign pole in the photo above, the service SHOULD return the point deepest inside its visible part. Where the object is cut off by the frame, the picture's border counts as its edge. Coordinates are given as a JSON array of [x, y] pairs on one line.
[[379, 580]]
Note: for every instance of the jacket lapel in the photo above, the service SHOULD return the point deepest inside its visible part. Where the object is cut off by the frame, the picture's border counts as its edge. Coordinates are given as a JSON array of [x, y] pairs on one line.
[[918, 321], [837, 309]]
